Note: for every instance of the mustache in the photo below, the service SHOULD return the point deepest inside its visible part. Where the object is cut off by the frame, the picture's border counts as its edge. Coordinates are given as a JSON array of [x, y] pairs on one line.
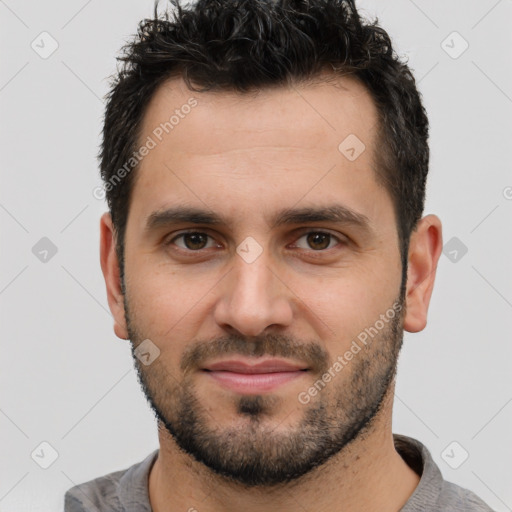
[[196, 354]]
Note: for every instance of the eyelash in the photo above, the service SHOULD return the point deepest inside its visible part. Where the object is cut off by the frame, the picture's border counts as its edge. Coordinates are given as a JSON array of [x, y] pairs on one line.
[[303, 234]]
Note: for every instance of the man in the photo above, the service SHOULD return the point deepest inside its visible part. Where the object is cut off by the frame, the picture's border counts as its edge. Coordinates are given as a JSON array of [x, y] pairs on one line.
[[265, 166]]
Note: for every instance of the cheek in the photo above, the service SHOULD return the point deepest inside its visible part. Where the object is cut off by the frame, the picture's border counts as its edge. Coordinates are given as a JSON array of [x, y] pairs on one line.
[[165, 305], [161, 317], [343, 309], [343, 306]]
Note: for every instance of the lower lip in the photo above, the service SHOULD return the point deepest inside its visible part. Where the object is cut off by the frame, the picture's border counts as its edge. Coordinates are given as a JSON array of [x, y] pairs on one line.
[[253, 382]]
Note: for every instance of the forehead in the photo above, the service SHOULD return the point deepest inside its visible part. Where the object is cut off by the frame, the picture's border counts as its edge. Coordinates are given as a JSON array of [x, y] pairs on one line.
[[315, 139], [324, 110]]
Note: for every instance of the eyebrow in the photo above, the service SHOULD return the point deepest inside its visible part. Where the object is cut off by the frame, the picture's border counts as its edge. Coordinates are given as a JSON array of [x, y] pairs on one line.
[[335, 213]]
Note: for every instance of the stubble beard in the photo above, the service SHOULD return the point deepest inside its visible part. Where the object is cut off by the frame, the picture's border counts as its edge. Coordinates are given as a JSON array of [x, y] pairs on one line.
[[257, 452]]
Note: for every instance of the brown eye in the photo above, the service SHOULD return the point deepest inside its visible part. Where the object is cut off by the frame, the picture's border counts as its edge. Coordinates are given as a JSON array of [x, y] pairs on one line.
[[318, 240], [193, 241]]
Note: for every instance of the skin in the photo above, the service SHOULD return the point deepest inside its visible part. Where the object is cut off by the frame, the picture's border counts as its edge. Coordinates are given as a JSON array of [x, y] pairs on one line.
[[245, 157]]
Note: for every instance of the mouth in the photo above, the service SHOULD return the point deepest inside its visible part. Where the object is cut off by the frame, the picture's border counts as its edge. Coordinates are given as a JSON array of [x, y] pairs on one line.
[[250, 377]]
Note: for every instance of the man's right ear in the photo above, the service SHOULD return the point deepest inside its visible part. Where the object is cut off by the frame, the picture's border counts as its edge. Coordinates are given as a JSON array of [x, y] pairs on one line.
[[111, 273]]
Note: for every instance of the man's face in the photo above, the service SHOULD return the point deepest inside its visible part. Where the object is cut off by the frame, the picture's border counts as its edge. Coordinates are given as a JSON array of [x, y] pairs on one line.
[[293, 295]]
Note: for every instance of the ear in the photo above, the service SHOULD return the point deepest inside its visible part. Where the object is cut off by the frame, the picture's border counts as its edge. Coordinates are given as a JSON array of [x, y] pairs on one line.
[[111, 274], [425, 249]]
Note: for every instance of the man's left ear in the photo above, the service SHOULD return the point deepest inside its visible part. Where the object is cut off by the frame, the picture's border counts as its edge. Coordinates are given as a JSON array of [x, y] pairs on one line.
[[425, 249]]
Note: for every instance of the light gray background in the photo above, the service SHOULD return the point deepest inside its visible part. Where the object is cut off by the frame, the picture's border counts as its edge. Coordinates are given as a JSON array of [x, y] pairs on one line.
[[67, 380]]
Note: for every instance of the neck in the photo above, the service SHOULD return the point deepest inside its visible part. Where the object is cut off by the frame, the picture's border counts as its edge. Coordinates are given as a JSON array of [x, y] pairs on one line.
[[368, 474]]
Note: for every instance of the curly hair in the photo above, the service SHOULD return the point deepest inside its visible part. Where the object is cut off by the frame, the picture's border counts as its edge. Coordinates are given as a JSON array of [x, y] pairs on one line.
[[247, 45]]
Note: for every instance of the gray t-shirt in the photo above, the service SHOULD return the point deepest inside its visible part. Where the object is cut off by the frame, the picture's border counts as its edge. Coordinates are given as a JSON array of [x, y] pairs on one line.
[[127, 490]]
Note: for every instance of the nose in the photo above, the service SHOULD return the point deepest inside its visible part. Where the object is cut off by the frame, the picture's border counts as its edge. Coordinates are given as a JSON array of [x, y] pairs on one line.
[[253, 298]]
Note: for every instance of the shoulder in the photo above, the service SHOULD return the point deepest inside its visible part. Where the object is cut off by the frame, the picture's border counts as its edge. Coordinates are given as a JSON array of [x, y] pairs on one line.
[[114, 492], [454, 498], [434, 493], [95, 495]]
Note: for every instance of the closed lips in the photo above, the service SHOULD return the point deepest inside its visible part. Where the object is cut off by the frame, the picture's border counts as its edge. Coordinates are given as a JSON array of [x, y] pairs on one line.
[[269, 366]]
